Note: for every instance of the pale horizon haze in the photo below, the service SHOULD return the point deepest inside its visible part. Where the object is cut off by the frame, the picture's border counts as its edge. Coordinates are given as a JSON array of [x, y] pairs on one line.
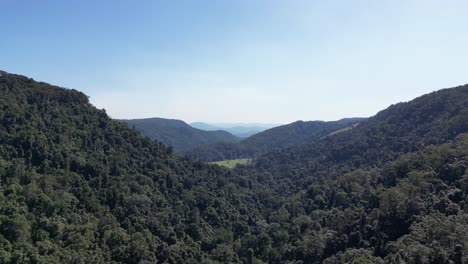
[[244, 61]]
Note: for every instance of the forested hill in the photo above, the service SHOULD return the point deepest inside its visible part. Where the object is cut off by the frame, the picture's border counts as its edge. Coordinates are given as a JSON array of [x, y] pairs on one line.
[[296, 133], [78, 187], [405, 127], [276, 138], [177, 133], [241, 130]]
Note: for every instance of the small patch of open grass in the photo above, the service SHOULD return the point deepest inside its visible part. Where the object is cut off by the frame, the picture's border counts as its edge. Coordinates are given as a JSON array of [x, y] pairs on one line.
[[231, 163]]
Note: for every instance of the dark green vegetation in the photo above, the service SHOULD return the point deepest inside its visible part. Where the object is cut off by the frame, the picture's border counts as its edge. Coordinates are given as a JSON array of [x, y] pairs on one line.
[[239, 130], [78, 187], [177, 133], [276, 138]]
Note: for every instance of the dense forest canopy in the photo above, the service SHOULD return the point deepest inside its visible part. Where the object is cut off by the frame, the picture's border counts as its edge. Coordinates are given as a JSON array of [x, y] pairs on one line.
[[78, 187]]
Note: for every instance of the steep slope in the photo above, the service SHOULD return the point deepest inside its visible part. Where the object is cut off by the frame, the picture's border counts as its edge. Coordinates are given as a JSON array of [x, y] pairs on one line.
[[296, 133], [405, 127], [78, 187], [270, 140], [177, 133], [356, 195]]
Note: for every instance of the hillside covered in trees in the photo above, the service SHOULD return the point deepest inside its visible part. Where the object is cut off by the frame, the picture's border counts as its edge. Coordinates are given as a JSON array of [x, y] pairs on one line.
[[241, 130], [276, 138], [78, 187], [177, 133]]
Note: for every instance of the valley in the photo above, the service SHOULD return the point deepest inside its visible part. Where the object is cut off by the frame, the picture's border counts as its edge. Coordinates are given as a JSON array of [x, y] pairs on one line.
[[80, 187], [234, 132]]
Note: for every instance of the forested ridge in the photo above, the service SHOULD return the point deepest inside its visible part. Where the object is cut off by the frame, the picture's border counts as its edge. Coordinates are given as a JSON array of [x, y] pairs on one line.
[[241, 130], [78, 187], [177, 133], [430, 119], [272, 139]]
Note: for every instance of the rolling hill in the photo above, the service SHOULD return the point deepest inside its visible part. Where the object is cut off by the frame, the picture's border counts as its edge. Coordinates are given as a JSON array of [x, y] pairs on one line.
[[79, 187], [433, 118], [241, 130], [270, 140], [177, 133]]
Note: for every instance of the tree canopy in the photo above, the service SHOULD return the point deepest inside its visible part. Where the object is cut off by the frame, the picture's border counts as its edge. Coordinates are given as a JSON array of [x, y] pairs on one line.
[[78, 187]]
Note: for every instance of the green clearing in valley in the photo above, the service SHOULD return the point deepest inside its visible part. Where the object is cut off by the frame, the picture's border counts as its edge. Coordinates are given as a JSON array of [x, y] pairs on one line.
[[232, 163]]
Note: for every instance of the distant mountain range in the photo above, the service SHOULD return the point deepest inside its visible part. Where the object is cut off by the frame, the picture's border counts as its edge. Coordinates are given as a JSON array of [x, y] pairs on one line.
[[242, 130], [276, 138], [215, 144], [177, 133]]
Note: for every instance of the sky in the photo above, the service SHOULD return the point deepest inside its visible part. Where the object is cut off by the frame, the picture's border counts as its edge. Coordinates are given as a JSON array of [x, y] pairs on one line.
[[267, 61]]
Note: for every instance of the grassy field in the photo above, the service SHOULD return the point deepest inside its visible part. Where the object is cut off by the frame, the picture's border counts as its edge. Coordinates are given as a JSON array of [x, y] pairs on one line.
[[231, 163]]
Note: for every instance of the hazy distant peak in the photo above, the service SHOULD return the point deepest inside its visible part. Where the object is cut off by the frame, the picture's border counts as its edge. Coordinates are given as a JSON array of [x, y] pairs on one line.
[[264, 125], [242, 130]]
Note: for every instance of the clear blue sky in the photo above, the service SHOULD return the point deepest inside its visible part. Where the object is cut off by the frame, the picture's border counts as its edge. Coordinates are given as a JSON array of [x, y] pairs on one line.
[[239, 60]]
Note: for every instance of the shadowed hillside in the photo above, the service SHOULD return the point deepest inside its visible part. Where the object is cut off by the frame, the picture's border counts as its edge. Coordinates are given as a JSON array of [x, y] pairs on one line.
[[177, 133]]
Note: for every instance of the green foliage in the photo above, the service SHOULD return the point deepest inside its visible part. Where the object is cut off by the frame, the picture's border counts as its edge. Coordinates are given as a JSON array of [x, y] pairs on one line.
[[78, 187]]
